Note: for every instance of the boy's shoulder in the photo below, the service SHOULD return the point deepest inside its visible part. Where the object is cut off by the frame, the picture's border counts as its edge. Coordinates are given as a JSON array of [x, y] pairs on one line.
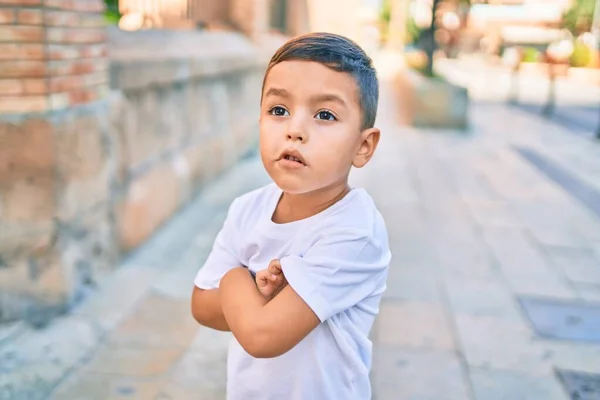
[[357, 213], [257, 197], [252, 204]]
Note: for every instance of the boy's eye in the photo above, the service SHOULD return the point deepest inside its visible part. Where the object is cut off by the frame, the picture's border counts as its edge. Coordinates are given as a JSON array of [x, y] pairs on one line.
[[326, 115], [279, 111]]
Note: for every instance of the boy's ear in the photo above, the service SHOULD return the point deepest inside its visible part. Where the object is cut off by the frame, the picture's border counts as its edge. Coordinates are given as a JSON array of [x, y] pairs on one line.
[[369, 141]]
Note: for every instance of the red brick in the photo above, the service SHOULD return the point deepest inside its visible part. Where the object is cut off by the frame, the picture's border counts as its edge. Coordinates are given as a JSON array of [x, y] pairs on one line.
[[76, 5], [61, 18], [21, 33], [77, 67], [68, 52], [21, 2], [96, 79], [23, 52], [93, 51], [66, 83], [30, 17], [20, 104], [10, 86], [22, 69], [35, 86], [6, 15], [74, 19], [75, 35], [62, 52], [82, 96]]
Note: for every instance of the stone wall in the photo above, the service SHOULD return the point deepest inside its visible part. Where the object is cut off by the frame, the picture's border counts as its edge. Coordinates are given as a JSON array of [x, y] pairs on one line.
[[82, 186]]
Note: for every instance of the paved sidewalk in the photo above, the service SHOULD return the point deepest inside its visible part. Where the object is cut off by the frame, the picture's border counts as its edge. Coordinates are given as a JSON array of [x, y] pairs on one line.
[[480, 223]]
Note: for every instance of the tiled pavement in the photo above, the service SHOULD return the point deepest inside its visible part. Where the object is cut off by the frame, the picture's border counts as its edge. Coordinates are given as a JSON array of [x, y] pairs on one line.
[[476, 229]]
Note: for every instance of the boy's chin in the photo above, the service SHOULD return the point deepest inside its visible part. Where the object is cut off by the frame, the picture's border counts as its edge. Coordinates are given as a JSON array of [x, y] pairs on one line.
[[293, 186]]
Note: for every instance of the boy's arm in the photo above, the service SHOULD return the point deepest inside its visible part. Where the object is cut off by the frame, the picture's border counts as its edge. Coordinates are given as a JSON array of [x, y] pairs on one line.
[[264, 329], [206, 309], [335, 274]]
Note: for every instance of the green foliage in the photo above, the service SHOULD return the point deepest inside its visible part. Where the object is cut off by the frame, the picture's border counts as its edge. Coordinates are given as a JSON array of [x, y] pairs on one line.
[[112, 15], [578, 18], [531, 54], [582, 55], [386, 12], [412, 31]]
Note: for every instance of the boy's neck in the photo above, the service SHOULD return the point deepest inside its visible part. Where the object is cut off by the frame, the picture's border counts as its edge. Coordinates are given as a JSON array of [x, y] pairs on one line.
[[294, 207]]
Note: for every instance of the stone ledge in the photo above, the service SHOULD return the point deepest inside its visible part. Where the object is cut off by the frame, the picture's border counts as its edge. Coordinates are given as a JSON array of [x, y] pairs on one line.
[[128, 75]]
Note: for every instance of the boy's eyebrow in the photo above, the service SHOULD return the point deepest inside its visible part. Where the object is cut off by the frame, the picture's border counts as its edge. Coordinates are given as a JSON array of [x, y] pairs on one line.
[[329, 97], [277, 92], [319, 98]]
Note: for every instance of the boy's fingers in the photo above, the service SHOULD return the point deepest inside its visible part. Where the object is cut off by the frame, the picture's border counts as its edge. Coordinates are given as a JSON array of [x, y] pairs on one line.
[[275, 267]]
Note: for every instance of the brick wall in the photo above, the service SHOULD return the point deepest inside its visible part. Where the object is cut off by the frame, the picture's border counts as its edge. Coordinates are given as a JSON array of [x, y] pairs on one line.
[[52, 54]]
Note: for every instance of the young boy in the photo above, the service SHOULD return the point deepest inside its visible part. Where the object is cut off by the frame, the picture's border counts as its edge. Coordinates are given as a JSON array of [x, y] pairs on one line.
[[299, 267]]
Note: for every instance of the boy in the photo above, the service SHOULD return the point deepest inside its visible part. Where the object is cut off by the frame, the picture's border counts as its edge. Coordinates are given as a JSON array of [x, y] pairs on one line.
[[299, 267]]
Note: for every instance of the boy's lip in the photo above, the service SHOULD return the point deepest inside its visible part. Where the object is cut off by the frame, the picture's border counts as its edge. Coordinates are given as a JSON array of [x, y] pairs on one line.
[[292, 153]]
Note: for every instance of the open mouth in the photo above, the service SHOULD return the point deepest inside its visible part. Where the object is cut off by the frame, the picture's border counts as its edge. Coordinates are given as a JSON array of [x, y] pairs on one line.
[[293, 156]]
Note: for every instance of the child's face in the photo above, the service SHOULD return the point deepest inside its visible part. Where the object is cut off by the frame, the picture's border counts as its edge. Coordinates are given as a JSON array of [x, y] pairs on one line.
[[310, 127]]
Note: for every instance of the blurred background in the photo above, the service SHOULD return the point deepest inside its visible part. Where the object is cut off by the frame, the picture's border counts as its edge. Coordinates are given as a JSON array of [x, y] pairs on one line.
[[127, 127]]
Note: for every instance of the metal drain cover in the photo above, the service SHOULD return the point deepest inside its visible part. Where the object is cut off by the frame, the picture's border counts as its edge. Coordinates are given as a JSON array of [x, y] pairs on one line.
[[556, 319], [580, 385]]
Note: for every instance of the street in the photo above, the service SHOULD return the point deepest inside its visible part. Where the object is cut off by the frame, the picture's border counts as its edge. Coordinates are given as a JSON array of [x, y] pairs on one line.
[[493, 291]]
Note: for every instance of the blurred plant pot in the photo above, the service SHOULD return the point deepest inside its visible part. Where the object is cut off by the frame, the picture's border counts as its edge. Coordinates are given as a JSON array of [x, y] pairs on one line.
[[588, 76], [431, 102]]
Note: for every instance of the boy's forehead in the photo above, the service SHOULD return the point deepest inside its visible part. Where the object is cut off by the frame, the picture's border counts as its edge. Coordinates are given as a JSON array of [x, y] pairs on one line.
[[309, 76]]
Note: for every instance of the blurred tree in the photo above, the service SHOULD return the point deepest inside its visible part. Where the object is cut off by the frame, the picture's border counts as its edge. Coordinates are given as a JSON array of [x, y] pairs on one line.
[[578, 18], [111, 14], [429, 43]]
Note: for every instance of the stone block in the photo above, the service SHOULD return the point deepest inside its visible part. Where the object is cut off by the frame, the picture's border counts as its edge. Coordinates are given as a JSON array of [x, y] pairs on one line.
[[432, 103], [149, 201], [83, 163], [26, 149]]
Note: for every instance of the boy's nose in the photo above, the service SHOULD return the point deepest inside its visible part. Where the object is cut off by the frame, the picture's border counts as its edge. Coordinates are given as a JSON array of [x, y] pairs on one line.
[[296, 136]]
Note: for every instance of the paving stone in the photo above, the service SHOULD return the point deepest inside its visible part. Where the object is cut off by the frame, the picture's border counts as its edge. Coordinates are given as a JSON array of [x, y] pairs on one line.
[[146, 325], [202, 371], [92, 386], [493, 384], [578, 188], [523, 265], [580, 385], [411, 374], [132, 361], [491, 342], [563, 320], [412, 324], [477, 298], [589, 293], [494, 213], [116, 296], [579, 266], [411, 282], [32, 364]]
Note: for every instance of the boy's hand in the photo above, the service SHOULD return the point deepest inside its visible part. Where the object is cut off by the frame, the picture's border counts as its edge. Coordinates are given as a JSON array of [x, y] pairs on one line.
[[271, 281]]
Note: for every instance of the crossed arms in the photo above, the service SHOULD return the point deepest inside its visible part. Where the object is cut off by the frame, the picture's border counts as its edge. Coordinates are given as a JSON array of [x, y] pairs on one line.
[[264, 327]]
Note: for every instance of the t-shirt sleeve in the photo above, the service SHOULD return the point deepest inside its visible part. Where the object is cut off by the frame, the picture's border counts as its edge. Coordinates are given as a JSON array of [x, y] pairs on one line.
[[338, 271], [223, 255]]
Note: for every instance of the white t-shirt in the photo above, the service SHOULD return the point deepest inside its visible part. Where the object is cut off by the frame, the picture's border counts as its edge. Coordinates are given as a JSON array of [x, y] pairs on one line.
[[337, 261]]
